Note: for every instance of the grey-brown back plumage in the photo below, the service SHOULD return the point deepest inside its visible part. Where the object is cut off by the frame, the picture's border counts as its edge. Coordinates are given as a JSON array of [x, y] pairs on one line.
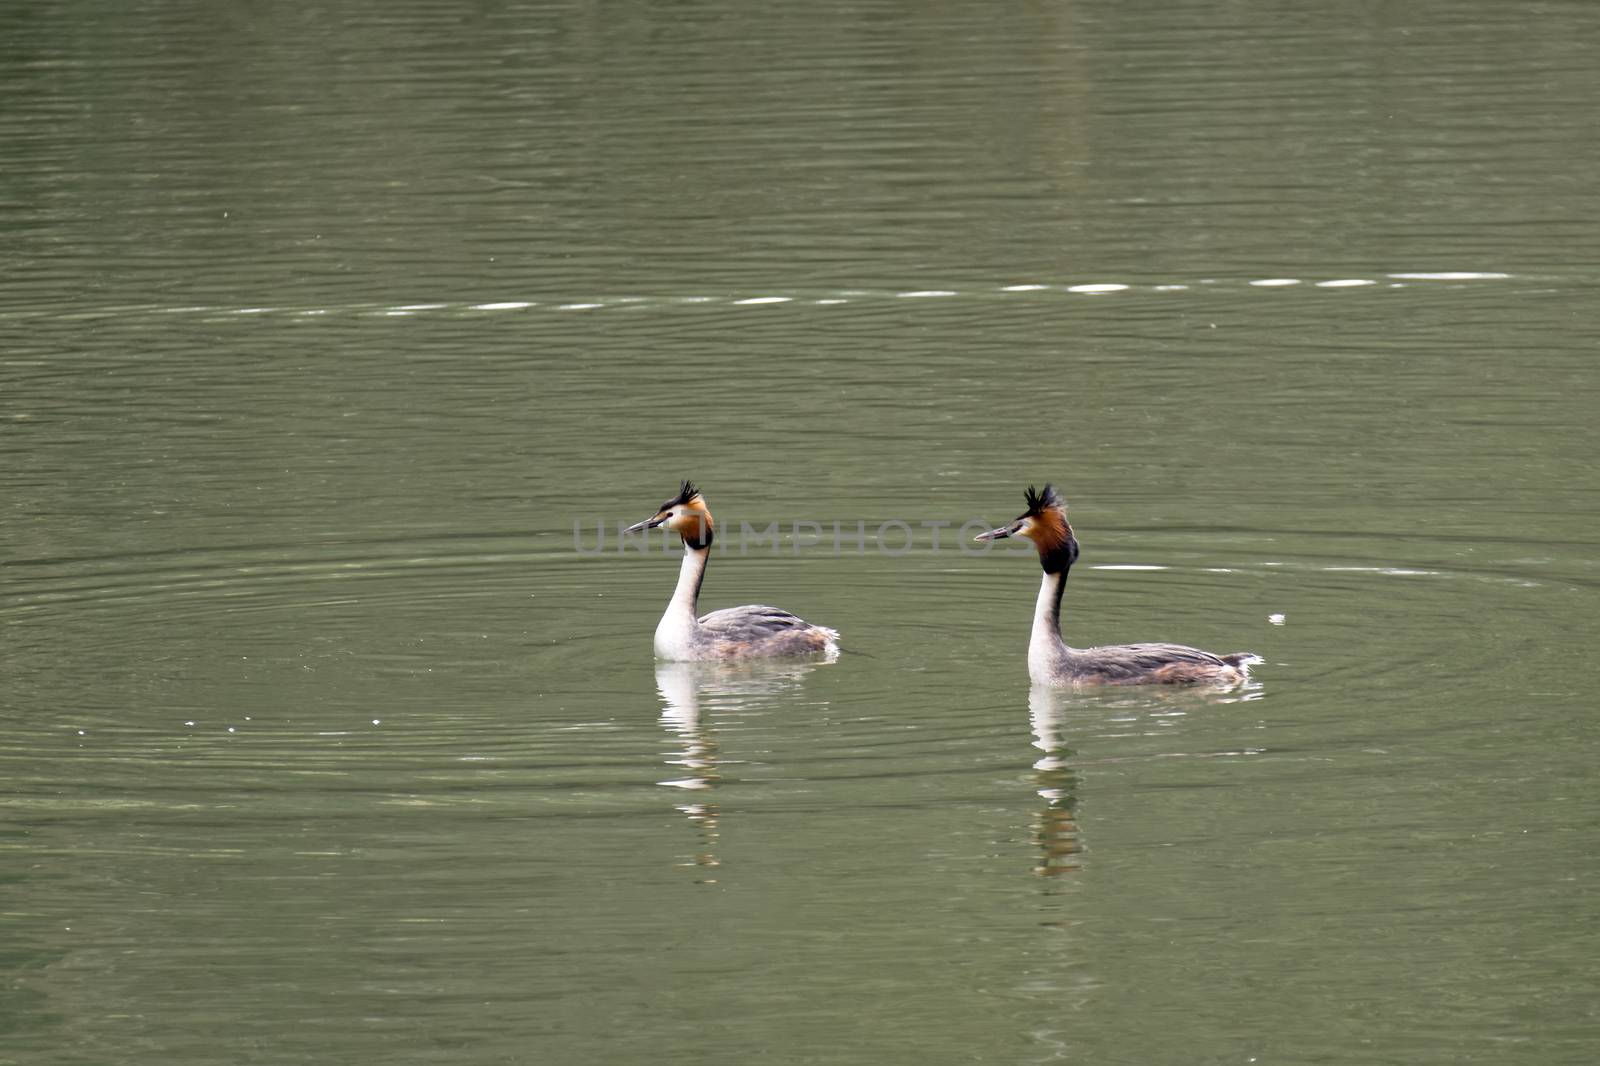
[[1131, 663], [760, 627]]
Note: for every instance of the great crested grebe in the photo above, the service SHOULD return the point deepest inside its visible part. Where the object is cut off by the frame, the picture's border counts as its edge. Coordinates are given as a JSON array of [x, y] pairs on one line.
[[753, 631], [1052, 662]]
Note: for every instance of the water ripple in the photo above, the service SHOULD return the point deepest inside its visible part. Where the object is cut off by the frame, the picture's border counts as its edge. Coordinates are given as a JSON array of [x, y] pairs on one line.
[[1038, 290]]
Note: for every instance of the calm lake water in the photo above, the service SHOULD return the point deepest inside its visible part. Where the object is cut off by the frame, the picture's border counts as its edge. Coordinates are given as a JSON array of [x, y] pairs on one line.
[[330, 335]]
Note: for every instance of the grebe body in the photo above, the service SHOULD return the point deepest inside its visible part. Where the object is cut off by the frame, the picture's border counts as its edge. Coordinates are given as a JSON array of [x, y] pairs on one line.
[[1051, 661], [753, 631]]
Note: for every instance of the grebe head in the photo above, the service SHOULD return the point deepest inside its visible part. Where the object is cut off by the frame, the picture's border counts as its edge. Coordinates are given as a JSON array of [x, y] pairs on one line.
[[1044, 523], [685, 514]]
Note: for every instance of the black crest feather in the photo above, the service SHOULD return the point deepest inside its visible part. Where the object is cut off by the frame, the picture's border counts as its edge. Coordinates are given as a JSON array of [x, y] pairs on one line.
[[1039, 501], [685, 494]]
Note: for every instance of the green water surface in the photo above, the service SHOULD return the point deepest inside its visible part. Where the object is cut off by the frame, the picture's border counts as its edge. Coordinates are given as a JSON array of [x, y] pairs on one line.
[[336, 340]]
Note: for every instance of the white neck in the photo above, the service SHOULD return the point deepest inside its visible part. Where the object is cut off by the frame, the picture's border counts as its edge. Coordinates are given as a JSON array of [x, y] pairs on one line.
[[1047, 653], [690, 574], [679, 624]]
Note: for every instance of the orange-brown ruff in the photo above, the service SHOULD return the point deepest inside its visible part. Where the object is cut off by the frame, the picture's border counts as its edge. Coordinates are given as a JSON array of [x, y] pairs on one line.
[[1051, 661], [755, 631]]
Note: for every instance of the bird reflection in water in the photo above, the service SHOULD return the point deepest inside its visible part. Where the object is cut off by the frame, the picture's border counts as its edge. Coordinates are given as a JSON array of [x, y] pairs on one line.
[[691, 693], [1056, 827], [1154, 710]]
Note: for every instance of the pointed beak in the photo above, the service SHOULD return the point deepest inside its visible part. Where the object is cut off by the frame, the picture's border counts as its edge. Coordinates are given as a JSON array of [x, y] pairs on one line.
[[999, 534], [648, 523]]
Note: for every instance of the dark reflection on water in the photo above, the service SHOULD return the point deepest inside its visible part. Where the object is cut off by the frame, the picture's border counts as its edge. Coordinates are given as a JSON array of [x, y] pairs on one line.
[[1056, 780], [693, 694], [1070, 725]]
